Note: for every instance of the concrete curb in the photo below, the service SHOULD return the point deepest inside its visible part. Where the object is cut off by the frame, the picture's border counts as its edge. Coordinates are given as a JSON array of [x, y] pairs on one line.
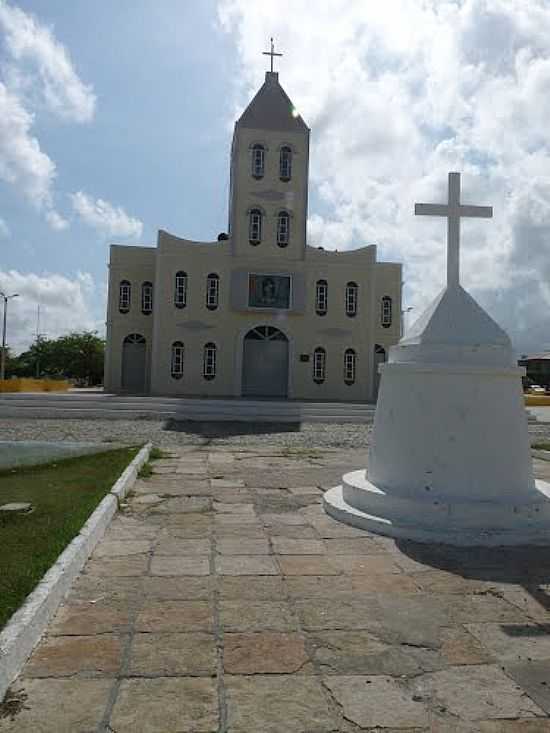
[[25, 628]]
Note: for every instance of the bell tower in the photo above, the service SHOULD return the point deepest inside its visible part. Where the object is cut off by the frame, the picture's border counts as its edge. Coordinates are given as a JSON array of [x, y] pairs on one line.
[[269, 176]]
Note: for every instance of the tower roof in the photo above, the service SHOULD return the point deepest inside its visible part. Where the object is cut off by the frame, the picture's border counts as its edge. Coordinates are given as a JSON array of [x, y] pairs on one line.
[[271, 109]]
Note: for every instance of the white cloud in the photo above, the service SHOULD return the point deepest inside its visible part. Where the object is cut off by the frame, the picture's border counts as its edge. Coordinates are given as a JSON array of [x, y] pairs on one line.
[[35, 51], [65, 305], [110, 220], [36, 73], [399, 93], [22, 162], [4, 229], [56, 221]]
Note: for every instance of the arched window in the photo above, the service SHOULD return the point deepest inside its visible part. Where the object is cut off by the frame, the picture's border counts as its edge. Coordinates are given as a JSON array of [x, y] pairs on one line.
[[319, 365], [283, 228], [350, 359], [180, 290], [258, 161], [285, 163], [212, 291], [351, 299], [321, 297], [209, 361], [134, 338], [178, 352], [386, 312], [147, 298], [255, 226], [124, 291]]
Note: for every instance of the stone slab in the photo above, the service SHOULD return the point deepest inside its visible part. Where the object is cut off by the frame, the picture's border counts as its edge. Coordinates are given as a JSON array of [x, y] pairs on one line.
[[166, 704], [174, 616], [246, 565], [64, 656], [264, 653], [171, 654], [239, 615], [177, 565]]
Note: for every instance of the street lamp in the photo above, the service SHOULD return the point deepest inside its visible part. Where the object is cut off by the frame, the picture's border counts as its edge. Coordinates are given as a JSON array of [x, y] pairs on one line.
[[403, 316], [5, 298]]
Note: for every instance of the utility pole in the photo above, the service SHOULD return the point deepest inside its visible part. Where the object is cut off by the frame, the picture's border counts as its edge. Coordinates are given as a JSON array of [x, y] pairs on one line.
[[5, 298]]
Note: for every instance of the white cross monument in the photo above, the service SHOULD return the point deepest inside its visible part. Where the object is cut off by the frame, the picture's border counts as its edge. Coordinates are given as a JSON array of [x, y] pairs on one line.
[[454, 211], [449, 456]]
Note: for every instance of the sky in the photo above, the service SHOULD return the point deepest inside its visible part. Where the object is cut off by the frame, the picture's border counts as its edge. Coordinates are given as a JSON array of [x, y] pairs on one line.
[[116, 121]]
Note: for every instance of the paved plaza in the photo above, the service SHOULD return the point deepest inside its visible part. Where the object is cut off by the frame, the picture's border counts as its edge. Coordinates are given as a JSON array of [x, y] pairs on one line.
[[222, 598]]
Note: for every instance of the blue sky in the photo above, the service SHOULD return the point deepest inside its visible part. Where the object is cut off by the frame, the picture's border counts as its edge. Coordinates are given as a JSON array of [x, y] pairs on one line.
[[118, 119]]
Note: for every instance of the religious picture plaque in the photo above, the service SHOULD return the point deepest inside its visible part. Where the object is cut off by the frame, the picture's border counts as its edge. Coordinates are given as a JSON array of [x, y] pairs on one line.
[[269, 291]]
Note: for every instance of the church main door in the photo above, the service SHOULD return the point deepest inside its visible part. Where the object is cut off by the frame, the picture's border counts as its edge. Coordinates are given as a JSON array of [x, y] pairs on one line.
[[265, 363], [133, 364]]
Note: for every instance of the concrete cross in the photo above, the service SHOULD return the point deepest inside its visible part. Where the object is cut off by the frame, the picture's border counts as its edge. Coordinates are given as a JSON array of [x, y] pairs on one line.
[[271, 53], [454, 211]]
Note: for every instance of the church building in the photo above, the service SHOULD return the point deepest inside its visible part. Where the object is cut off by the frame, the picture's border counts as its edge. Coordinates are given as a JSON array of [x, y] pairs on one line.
[[259, 312]]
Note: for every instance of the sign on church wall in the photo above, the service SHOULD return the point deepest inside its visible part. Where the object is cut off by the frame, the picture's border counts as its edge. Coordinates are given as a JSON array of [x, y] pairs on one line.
[[269, 291]]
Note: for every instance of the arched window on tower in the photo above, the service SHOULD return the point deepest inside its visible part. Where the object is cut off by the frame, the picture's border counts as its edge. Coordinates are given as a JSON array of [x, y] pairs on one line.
[[283, 228], [321, 297], [209, 361], [180, 290], [147, 298], [386, 312], [350, 359], [178, 352], [258, 161], [351, 299], [255, 226], [212, 291], [124, 294], [285, 163], [319, 365]]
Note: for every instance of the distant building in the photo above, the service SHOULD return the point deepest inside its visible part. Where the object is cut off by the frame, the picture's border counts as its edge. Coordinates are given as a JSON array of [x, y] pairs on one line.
[[537, 367], [258, 313]]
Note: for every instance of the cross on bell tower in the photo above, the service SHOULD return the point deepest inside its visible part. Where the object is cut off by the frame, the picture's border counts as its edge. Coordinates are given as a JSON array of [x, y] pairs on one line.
[[454, 211], [271, 53]]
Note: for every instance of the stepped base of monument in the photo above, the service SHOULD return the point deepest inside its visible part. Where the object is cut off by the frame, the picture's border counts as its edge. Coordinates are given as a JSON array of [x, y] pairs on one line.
[[361, 504]]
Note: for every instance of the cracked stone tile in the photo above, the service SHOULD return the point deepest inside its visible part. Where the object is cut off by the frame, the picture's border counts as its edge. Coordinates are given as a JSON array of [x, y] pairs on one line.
[[60, 705], [177, 546], [171, 654], [182, 487], [287, 546], [253, 588], [390, 583], [360, 653], [114, 548], [477, 692], [292, 531], [85, 618], [484, 608], [159, 616], [378, 701], [120, 567], [63, 656], [95, 588], [128, 528], [166, 704], [246, 565], [276, 703], [533, 676], [440, 581], [242, 546], [247, 615], [513, 642], [176, 588], [184, 505], [180, 565], [265, 653]]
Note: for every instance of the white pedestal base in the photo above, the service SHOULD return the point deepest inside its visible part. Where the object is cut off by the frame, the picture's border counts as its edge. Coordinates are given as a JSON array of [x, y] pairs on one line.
[[361, 504]]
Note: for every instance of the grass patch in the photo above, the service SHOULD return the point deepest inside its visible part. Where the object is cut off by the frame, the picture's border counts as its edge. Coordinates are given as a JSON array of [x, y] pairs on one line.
[[541, 445], [146, 471], [63, 495], [156, 454]]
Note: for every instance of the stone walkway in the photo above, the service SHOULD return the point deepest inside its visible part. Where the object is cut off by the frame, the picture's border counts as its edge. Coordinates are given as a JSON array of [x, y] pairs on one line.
[[224, 599]]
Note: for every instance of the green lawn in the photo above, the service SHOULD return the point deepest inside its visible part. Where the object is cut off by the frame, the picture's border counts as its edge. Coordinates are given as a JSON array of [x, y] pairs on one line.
[[63, 495]]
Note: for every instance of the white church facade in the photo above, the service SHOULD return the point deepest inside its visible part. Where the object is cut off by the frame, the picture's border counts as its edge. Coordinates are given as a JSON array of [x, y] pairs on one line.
[[257, 313]]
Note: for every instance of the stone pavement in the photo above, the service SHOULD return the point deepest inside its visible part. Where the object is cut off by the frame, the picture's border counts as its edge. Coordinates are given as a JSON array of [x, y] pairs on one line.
[[222, 598]]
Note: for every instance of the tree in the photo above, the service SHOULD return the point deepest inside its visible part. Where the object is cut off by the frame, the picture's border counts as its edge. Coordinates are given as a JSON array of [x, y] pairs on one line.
[[78, 356]]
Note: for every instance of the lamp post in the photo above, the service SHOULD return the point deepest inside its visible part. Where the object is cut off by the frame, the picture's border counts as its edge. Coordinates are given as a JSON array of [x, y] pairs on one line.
[[403, 316], [5, 298]]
